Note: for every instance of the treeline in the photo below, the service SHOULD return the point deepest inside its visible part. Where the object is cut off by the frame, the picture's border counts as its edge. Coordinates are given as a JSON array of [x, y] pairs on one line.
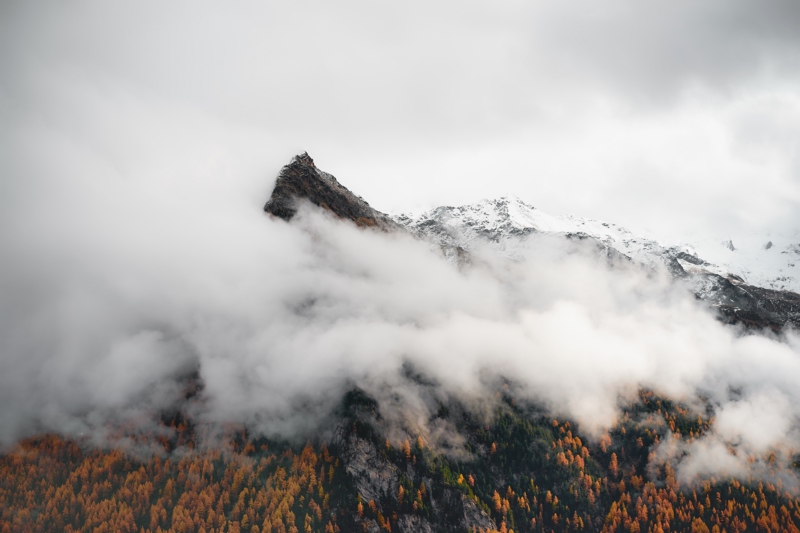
[[51, 484], [523, 471]]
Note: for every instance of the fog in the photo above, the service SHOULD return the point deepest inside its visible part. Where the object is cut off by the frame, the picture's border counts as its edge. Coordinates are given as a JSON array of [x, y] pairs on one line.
[[139, 143], [114, 295]]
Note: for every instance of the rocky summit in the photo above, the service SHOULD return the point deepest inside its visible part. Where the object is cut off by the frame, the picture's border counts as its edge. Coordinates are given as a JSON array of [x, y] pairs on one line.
[[301, 181]]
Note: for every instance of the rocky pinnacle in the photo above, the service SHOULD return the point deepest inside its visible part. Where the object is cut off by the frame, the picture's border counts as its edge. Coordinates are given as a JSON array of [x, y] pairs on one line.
[[301, 181]]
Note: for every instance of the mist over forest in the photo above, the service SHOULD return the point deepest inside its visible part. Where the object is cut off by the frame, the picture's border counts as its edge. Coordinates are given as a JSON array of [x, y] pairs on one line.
[[579, 314]]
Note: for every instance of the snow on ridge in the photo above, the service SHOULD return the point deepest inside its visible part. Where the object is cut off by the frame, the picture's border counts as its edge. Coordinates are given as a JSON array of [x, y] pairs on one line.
[[775, 267]]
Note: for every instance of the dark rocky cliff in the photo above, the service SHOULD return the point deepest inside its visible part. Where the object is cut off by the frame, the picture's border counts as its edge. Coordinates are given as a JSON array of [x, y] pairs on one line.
[[301, 181]]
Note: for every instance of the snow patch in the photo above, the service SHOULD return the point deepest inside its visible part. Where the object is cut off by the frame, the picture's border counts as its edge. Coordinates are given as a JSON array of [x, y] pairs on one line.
[[774, 265]]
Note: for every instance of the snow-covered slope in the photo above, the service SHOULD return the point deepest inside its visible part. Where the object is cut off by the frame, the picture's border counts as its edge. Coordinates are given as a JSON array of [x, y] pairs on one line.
[[775, 266], [771, 261]]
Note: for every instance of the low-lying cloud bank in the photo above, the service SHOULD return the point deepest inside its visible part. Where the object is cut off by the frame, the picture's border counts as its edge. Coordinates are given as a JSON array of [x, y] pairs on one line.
[[112, 298]]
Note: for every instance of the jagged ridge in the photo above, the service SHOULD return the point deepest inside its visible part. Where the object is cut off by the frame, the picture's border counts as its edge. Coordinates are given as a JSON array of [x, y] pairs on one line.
[[300, 180], [505, 220]]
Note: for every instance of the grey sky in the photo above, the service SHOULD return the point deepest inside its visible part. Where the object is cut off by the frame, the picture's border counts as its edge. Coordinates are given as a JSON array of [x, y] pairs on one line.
[[671, 116], [622, 110]]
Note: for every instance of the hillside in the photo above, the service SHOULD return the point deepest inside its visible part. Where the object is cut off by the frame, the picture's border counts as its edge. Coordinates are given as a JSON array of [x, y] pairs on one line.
[[521, 471]]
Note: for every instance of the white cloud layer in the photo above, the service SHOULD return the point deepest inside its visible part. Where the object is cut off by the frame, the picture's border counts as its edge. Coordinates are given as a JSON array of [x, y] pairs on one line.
[[138, 143], [115, 293]]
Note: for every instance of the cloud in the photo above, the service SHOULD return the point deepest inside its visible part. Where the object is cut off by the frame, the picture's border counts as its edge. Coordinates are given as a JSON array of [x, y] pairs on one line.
[[111, 310], [762, 420], [119, 289], [635, 113], [139, 143]]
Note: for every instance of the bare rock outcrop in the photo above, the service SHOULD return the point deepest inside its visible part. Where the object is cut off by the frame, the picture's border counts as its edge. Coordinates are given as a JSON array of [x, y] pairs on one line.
[[301, 181]]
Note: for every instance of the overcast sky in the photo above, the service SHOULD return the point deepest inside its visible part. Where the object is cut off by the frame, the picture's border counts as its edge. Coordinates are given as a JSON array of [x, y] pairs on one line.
[[140, 140], [673, 116]]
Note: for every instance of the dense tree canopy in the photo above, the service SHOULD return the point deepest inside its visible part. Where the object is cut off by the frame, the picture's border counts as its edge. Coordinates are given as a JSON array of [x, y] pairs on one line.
[[525, 471]]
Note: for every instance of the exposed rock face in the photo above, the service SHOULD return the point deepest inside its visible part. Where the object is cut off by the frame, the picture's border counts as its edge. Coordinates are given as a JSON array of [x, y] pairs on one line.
[[376, 474], [413, 524], [752, 307], [456, 508], [374, 477], [300, 181]]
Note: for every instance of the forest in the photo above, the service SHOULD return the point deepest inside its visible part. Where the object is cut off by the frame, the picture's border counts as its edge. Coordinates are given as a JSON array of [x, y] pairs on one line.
[[520, 470]]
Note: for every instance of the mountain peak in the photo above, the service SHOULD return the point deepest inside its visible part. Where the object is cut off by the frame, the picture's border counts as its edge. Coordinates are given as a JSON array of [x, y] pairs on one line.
[[301, 181], [304, 159], [510, 200]]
